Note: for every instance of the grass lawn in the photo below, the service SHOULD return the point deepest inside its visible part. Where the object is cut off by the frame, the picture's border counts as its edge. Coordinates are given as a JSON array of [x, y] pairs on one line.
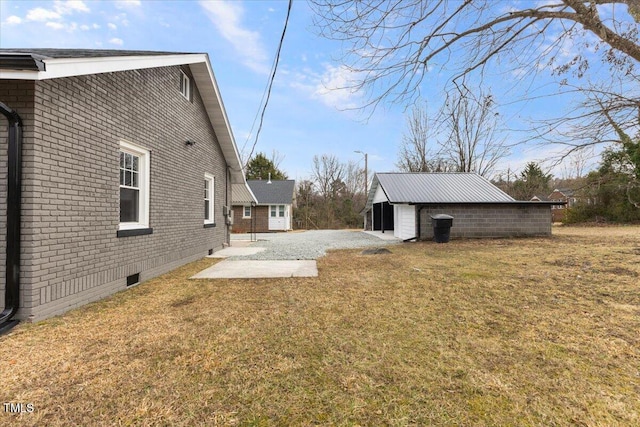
[[540, 332]]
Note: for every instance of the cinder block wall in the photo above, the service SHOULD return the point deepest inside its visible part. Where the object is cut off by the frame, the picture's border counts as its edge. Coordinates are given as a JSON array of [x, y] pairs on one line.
[[502, 220], [243, 225], [71, 253]]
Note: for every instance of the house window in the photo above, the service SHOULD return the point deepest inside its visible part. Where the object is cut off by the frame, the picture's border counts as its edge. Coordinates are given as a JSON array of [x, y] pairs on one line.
[[246, 213], [277, 210], [185, 85], [134, 187], [209, 185]]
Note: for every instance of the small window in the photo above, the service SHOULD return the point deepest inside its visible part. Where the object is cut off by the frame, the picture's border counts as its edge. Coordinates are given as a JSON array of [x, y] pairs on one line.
[[134, 187], [209, 183], [281, 211], [185, 85], [273, 211], [246, 213]]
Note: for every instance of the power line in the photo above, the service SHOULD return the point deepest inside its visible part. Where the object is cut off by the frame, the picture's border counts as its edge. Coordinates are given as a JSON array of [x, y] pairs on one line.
[[270, 84]]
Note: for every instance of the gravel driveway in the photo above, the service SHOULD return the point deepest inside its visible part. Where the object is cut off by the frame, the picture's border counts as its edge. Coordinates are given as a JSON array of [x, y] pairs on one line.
[[308, 244]]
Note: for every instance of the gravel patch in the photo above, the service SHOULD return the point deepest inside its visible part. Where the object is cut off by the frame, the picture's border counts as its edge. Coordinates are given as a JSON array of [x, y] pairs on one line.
[[310, 244]]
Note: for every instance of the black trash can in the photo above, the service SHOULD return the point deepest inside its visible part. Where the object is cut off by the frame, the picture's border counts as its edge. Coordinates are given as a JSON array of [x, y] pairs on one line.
[[441, 227]]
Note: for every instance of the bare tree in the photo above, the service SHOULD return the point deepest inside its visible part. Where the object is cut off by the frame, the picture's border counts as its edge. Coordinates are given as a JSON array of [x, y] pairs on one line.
[[328, 175], [470, 127], [353, 179], [392, 45], [327, 170], [415, 155]]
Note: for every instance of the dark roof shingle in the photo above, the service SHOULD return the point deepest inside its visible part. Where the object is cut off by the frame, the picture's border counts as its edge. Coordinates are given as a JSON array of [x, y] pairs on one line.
[[273, 192]]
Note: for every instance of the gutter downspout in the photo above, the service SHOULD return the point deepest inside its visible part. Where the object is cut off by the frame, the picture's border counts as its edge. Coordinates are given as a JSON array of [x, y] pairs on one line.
[[419, 233], [14, 205]]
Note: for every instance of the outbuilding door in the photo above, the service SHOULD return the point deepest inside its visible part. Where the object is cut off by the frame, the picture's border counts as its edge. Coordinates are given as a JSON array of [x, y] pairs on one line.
[[278, 217], [405, 221], [383, 216]]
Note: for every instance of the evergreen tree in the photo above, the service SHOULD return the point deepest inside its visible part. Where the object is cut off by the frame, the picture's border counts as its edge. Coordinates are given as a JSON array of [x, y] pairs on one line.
[[259, 167]]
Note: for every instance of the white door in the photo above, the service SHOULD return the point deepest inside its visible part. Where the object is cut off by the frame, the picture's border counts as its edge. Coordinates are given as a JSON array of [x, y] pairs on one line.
[[405, 221], [278, 217]]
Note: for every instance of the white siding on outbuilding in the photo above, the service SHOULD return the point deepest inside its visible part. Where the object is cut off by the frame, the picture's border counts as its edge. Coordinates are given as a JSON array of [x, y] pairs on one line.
[[405, 221], [379, 197]]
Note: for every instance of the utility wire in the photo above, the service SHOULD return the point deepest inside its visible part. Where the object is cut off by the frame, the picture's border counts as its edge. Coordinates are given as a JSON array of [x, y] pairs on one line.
[[270, 84]]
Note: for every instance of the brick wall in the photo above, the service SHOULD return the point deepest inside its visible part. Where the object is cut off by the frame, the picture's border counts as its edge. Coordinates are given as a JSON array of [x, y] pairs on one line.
[[504, 220], [243, 225], [19, 97], [71, 254]]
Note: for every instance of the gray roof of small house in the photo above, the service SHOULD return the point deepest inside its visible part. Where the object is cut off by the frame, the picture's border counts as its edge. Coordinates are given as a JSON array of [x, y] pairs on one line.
[[273, 192], [437, 187]]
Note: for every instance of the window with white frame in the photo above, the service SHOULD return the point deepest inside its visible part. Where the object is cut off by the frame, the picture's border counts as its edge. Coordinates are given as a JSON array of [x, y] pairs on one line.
[[277, 211], [185, 85], [246, 213], [209, 186], [134, 186]]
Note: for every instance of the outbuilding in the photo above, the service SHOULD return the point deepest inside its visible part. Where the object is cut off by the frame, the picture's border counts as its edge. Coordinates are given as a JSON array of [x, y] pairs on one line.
[[271, 210], [403, 203]]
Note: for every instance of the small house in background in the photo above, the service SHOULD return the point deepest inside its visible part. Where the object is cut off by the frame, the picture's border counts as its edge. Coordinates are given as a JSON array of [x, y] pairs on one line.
[[566, 195], [403, 203], [272, 209]]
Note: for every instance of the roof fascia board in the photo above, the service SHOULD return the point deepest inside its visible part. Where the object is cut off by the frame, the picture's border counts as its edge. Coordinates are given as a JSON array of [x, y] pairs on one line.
[[67, 67], [514, 202], [205, 80], [253, 196]]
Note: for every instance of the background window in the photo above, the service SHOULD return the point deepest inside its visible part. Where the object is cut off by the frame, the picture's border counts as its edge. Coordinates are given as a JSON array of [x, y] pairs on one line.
[[134, 186], [185, 85], [247, 212], [129, 187], [209, 183], [273, 211], [281, 211]]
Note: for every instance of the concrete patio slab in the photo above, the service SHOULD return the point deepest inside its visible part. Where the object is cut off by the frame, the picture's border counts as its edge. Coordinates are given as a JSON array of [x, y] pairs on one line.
[[236, 251], [252, 269]]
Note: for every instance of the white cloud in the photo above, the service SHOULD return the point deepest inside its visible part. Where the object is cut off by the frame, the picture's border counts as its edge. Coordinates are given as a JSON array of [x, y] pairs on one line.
[[13, 20], [40, 15], [127, 4], [116, 41], [60, 8], [226, 17], [85, 27], [333, 87], [70, 6], [112, 26], [55, 25]]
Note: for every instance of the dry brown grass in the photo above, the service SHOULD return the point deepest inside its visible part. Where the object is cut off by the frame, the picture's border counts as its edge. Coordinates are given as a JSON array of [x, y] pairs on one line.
[[482, 332]]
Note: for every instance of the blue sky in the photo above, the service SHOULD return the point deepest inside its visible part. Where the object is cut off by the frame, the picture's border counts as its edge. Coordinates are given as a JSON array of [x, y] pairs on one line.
[[304, 117]]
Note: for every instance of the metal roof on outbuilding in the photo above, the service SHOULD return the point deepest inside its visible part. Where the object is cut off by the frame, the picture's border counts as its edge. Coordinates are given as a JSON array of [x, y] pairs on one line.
[[437, 187], [276, 192]]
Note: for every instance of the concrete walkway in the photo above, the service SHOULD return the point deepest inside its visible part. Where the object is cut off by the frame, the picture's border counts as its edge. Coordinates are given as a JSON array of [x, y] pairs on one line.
[[285, 254], [252, 269]]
